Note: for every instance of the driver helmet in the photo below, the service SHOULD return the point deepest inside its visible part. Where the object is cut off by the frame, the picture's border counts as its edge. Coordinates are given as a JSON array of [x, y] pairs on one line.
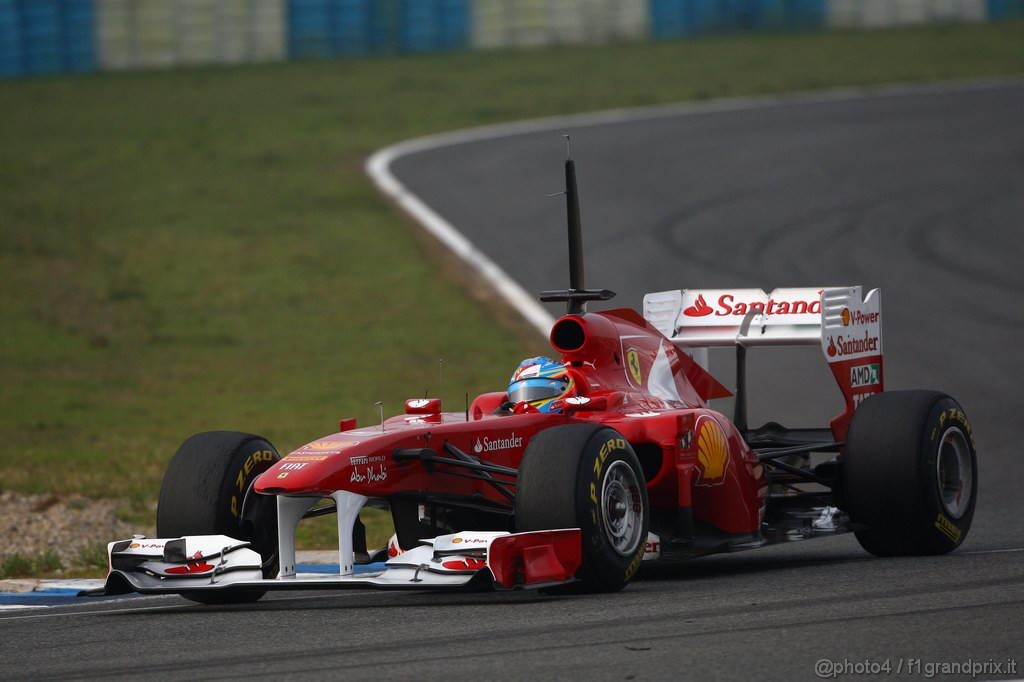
[[541, 382]]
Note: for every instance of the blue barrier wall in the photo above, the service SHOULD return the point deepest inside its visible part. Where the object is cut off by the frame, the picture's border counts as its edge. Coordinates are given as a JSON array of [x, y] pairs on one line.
[[78, 31], [681, 18], [1006, 9], [309, 27], [57, 36], [40, 25], [437, 26], [46, 36], [333, 28], [10, 40]]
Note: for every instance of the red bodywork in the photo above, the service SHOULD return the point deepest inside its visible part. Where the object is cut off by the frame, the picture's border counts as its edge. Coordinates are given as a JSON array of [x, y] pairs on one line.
[[627, 375]]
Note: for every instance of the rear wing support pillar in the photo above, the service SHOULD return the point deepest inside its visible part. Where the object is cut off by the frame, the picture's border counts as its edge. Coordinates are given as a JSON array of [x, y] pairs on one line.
[[740, 409]]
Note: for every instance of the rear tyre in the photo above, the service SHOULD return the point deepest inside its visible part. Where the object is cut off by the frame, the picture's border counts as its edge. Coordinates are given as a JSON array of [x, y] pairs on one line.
[[910, 473], [207, 491], [587, 476]]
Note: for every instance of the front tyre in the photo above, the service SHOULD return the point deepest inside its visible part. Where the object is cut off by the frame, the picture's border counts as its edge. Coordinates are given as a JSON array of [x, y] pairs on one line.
[[207, 491], [910, 473], [587, 476]]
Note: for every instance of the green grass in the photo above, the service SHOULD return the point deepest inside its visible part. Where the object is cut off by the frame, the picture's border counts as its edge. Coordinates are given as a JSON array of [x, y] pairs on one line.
[[90, 563], [23, 566], [200, 249]]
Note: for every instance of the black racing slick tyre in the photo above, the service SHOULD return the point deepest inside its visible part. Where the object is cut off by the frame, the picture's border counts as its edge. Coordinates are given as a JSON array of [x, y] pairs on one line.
[[910, 473], [207, 491], [587, 476]]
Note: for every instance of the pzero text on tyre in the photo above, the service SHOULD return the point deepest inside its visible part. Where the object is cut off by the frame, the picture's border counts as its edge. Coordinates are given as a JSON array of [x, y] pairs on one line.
[[910, 473], [207, 491], [587, 476]]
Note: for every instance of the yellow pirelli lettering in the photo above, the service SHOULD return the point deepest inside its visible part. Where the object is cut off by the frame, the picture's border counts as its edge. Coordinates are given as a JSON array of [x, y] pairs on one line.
[[947, 528], [635, 563]]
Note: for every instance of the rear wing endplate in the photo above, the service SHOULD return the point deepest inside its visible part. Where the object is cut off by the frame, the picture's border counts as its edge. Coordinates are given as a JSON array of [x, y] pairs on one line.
[[847, 327]]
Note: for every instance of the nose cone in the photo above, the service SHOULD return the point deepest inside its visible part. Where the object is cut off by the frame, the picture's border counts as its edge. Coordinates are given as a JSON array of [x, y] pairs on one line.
[[306, 469]]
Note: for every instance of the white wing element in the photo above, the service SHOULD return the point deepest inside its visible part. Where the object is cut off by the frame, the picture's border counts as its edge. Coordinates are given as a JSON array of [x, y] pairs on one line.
[[699, 318], [848, 328], [851, 329], [503, 560], [661, 382]]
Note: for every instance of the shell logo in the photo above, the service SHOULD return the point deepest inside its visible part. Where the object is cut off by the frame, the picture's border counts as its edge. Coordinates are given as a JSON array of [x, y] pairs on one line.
[[712, 452]]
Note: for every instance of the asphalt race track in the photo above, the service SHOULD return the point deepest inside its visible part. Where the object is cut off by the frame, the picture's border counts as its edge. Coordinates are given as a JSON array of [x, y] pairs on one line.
[[918, 191]]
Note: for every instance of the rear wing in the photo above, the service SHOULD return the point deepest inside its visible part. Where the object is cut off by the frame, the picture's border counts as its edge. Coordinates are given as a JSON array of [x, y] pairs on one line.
[[848, 328]]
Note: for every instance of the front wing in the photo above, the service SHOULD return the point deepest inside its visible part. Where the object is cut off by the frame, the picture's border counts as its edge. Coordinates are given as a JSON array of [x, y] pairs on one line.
[[502, 561]]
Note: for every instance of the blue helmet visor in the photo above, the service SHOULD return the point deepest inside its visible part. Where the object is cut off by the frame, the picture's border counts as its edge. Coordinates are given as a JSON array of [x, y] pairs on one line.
[[529, 390]]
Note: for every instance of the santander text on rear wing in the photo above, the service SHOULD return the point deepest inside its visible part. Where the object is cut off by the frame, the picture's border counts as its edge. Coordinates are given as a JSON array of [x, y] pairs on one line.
[[847, 327]]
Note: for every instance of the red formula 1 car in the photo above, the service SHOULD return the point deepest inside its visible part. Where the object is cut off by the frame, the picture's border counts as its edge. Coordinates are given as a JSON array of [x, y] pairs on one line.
[[630, 465]]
